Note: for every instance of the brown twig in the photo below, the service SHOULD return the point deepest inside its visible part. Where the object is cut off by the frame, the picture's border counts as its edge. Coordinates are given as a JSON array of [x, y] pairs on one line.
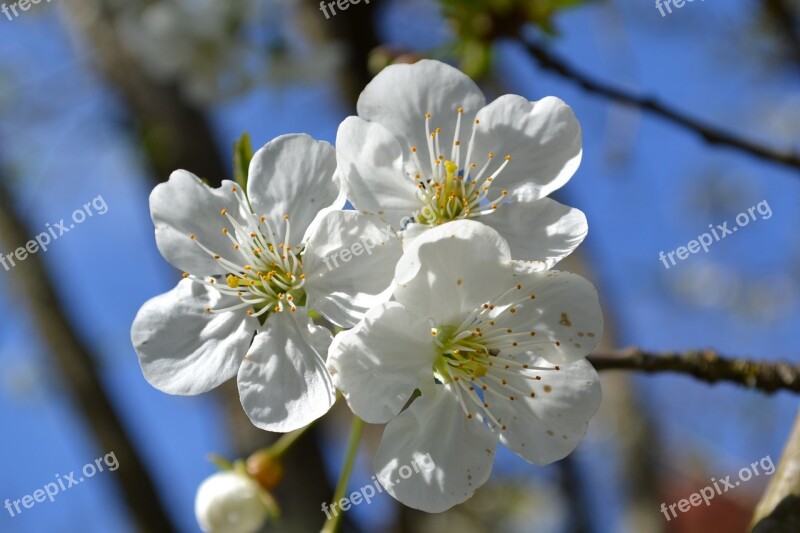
[[706, 365], [711, 134]]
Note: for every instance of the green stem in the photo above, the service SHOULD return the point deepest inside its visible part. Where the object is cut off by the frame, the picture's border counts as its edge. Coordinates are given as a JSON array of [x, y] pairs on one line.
[[332, 525], [283, 444]]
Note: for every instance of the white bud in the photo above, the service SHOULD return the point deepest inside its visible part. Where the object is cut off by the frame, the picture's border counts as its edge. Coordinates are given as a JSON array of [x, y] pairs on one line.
[[229, 502]]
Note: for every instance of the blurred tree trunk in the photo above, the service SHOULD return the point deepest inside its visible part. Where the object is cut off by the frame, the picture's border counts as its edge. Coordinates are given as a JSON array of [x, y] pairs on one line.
[[178, 135], [77, 364], [357, 31]]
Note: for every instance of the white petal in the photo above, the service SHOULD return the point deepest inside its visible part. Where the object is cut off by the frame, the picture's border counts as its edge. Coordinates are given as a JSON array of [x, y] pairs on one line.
[[543, 139], [451, 270], [349, 265], [547, 427], [435, 430], [283, 382], [378, 364], [565, 315], [293, 175], [540, 231], [185, 206], [185, 350], [400, 96], [371, 163], [411, 232]]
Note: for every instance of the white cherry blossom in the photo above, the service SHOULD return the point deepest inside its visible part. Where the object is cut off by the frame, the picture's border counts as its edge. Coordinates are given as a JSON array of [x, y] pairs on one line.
[[425, 149], [254, 267], [493, 354]]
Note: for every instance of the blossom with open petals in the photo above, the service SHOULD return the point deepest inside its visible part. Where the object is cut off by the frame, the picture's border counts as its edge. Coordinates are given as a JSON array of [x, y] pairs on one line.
[[425, 149], [254, 266], [495, 355]]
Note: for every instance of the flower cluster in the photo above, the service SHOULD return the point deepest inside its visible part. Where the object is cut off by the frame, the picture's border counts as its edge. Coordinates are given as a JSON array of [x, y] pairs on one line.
[[454, 330]]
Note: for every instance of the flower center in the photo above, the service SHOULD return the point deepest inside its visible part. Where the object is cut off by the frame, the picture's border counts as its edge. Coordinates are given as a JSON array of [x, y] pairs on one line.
[[265, 274], [449, 191], [479, 357]]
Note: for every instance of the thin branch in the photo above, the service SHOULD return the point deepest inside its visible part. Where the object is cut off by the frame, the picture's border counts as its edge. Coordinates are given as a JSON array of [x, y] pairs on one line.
[[711, 134], [705, 365]]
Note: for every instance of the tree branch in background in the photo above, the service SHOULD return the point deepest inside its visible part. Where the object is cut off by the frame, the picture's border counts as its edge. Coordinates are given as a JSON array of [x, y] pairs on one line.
[[779, 508], [356, 31], [784, 20], [176, 134], [712, 135], [707, 366], [76, 363]]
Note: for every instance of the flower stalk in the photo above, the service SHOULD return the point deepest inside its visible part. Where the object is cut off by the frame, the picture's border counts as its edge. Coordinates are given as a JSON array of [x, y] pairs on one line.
[[356, 429]]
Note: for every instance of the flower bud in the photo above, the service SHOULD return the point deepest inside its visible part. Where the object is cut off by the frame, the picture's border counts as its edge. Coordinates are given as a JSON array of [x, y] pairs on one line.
[[265, 468], [230, 502]]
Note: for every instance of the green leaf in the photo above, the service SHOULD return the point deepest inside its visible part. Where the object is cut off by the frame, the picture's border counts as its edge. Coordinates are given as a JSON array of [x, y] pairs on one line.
[[242, 154]]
